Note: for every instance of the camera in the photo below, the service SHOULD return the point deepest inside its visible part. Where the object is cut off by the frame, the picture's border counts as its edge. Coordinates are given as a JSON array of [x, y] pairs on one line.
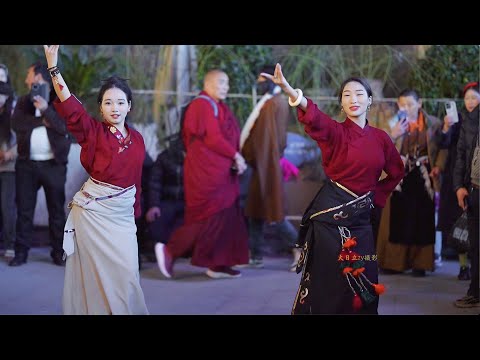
[[40, 89]]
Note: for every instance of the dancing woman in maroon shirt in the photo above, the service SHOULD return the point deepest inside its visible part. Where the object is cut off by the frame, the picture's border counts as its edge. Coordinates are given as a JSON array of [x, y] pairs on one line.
[[101, 274], [338, 259]]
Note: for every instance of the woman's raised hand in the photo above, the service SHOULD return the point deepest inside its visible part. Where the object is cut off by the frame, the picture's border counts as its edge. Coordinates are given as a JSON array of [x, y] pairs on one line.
[[61, 88], [296, 97], [51, 53], [277, 77]]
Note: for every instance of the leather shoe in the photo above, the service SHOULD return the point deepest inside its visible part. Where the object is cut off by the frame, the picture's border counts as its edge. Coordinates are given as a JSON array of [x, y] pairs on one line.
[[19, 259]]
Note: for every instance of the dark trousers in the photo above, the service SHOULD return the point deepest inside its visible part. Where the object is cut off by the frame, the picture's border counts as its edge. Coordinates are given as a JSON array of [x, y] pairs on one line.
[[8, 208], [172, 214], [30, 176], [284, 230], [473, 237], [412, 213]]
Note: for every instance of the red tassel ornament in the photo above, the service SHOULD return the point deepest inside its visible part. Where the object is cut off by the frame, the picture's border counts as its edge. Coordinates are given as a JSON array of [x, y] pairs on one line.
[[358, 271], [350, 242], [357, 302], [379, 288]]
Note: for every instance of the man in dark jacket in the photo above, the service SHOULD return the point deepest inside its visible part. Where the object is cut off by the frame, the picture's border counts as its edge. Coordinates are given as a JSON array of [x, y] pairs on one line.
[[466, 182], [43, 147], [166, 204]]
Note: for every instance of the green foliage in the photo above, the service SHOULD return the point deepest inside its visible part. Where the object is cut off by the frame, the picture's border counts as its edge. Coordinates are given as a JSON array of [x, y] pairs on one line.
[[321, 69], [241, 63], [83, 69], [139, 64], [444, 71], [17, 59], [325, 67]]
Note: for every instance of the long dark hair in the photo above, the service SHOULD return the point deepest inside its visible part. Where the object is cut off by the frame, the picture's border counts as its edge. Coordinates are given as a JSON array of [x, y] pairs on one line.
[[359, 80], [115, 82]]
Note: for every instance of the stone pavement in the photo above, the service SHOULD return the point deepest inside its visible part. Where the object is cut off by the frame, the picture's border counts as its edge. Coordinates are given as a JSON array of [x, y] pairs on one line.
[[36, 288]]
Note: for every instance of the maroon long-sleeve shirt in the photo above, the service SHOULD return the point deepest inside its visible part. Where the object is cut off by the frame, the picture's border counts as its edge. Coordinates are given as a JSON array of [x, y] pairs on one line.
[[352, 156], [100, 154]]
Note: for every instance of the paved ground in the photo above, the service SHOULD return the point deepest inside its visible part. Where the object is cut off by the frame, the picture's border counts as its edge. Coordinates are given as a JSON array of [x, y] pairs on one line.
[[36, 288]]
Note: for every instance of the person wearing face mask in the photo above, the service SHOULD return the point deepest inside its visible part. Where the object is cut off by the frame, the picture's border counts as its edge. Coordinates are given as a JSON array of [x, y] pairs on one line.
[[100, 242], [407, 229], [338, 260], [214, 233], [449, 211], [4, 74], [5, 78], [263, 140], [466, 183], [8, 155]]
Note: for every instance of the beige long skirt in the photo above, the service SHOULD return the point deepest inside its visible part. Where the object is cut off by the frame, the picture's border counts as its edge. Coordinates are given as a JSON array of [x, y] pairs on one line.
[[101, 274]]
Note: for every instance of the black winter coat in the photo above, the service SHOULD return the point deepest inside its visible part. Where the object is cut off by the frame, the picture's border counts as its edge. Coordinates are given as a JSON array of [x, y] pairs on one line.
[[465, 147]]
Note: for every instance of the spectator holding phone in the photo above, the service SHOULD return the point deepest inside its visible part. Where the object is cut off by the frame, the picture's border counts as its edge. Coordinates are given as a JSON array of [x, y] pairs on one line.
[[449, 212], [400, 124], [407, 228], [466, 181], [43, 147]]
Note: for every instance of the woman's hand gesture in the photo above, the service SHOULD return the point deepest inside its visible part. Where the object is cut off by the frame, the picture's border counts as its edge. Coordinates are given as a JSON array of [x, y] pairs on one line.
[[51, 53], [61, 88], [277, 77], [296, 98]]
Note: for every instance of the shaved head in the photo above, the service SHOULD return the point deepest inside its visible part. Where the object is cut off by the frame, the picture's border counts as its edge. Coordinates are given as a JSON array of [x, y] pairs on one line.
[[212, 76], [215, 84]]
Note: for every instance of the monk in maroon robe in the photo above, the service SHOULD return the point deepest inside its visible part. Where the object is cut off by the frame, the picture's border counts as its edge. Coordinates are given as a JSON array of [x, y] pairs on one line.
[[214, 233]]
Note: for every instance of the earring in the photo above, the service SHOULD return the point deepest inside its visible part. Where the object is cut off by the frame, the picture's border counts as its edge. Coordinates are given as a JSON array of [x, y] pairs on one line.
[[341, 110], [368, 107]]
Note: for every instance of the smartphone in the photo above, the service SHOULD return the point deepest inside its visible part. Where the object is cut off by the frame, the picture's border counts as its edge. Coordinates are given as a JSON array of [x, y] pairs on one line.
[[451, 110], [402, 115], [40, 89]]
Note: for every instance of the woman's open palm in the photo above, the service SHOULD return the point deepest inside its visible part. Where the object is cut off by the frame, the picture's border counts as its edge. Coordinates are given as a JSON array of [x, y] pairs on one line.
[[277, 77], [51, 53]]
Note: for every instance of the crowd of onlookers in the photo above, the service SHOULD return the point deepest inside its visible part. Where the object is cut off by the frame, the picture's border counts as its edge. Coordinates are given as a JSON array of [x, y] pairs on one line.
[[440, 183]]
